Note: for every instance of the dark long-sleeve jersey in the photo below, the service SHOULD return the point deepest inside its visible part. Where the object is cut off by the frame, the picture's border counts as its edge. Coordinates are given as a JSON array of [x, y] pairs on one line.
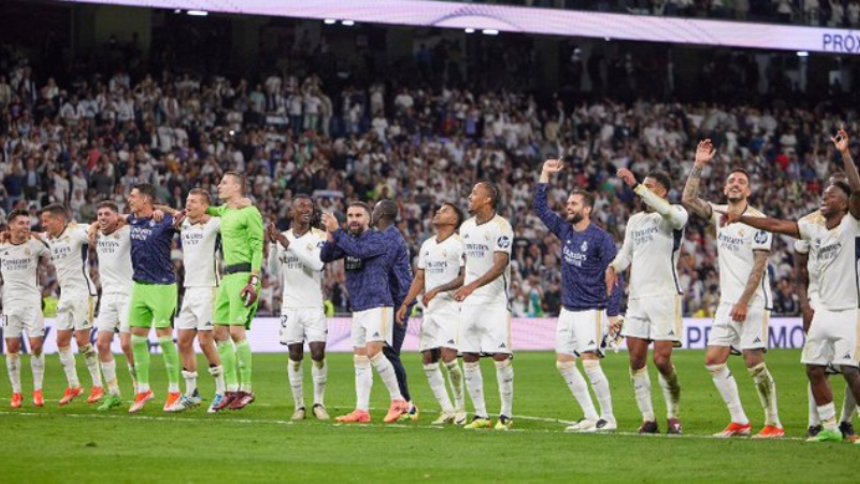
[[584, 258], [367, 264], [400, 273]]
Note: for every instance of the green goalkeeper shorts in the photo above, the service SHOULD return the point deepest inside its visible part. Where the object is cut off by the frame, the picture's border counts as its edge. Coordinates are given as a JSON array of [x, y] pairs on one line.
[[152, 305], [230, 309]]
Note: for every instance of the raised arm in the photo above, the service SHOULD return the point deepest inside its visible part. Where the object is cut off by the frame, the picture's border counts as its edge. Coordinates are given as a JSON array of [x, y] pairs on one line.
[[843, 145], [704, 154], [675, 215], [549, 218]]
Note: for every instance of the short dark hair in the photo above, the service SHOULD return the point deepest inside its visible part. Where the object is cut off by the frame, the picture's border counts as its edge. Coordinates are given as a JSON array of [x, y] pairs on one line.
[[843, 186], [389, 209], [15, 214], [739, 169], [494, 192], [203, 193], [107, 204], [145, 189], [361, 205], [460, 215], [240, 179], [56, 210], [662, 178], [587, 197]]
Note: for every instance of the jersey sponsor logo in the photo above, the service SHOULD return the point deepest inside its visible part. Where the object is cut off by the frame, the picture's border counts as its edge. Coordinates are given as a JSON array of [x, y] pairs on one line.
[[504, 242], [352, 264], [643, 236], [760, 237], [574, 258]]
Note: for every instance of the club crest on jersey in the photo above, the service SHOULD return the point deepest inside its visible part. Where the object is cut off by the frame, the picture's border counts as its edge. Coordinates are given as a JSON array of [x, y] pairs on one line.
[[760, 237], [584, 246], [152, 223], [504, 242]]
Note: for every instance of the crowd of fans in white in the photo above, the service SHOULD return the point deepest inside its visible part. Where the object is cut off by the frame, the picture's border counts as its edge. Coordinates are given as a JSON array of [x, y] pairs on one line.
[[92, 140]]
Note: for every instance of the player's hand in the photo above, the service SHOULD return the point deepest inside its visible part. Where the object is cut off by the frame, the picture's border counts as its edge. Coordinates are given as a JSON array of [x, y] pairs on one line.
[[330, 222], [428, 296], [249, 294], [179, 218], [272, 233], [157, 215], [841, 141], [615, 325], [461, 294], [705, 152], [5, 236], [806, 314], [551, 167], [739, 312], [400, 317], [611, 280], [627, 177]]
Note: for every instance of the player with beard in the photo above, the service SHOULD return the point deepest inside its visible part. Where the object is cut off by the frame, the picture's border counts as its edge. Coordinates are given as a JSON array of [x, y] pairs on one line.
[[745, 297], [587, 250]]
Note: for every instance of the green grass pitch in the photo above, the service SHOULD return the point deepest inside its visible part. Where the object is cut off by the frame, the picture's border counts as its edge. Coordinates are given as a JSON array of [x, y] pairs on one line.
[[77, 443]]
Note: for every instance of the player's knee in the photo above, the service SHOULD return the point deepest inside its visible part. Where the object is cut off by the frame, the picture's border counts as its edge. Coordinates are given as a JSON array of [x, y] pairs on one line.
[[815, 372], [850, 373], [663, 363], [296, 354], [103, 346]]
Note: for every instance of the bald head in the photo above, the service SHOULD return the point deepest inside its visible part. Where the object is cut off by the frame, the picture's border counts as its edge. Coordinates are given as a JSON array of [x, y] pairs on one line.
[[386, 212]]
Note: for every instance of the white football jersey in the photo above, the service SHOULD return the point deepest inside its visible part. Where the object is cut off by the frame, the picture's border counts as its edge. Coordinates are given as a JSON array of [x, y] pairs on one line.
[[833, 253], [18, 264], [480, 243], [441, 263], [735, 246], [114, 253], [802, 247], [70, 256], [300, 269], [652, 246], [200, 245]]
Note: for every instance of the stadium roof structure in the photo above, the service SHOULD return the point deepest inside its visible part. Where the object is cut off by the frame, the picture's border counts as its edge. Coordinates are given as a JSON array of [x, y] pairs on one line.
[[494, 19]]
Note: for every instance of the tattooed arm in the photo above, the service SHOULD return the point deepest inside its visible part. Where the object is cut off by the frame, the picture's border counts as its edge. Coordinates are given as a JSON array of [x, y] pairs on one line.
[[704, 153]]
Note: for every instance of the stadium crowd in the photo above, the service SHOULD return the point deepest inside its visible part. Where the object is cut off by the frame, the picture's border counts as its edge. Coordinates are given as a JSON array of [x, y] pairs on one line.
[[94, 137]]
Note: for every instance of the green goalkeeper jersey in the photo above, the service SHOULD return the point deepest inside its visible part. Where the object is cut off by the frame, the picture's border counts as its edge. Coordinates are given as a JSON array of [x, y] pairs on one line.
[[241, 235]]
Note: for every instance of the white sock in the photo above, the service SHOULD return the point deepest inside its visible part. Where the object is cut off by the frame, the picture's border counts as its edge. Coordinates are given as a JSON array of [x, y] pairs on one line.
[[849, 405], [601, 388], [437, 386], [571, 375], [67, 359], [109, 369], [505, 378], [217, 372], [363, 382], [190, 382], [37, 364], [386, 372], [475, 387], [766, 388], [828, 416], [455, 380], [92, 360], [296, 376], [642, 391], [319, 373], [671, 393], [726, 384], [133, 374], [13, 365]]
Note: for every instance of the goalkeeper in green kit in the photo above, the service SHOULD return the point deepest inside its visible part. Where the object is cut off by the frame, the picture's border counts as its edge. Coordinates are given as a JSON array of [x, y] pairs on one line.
[[242, 238]]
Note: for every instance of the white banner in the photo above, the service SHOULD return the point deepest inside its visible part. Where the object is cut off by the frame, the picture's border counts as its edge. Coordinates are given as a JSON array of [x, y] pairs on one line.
[[528, 335], [501, 18]]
